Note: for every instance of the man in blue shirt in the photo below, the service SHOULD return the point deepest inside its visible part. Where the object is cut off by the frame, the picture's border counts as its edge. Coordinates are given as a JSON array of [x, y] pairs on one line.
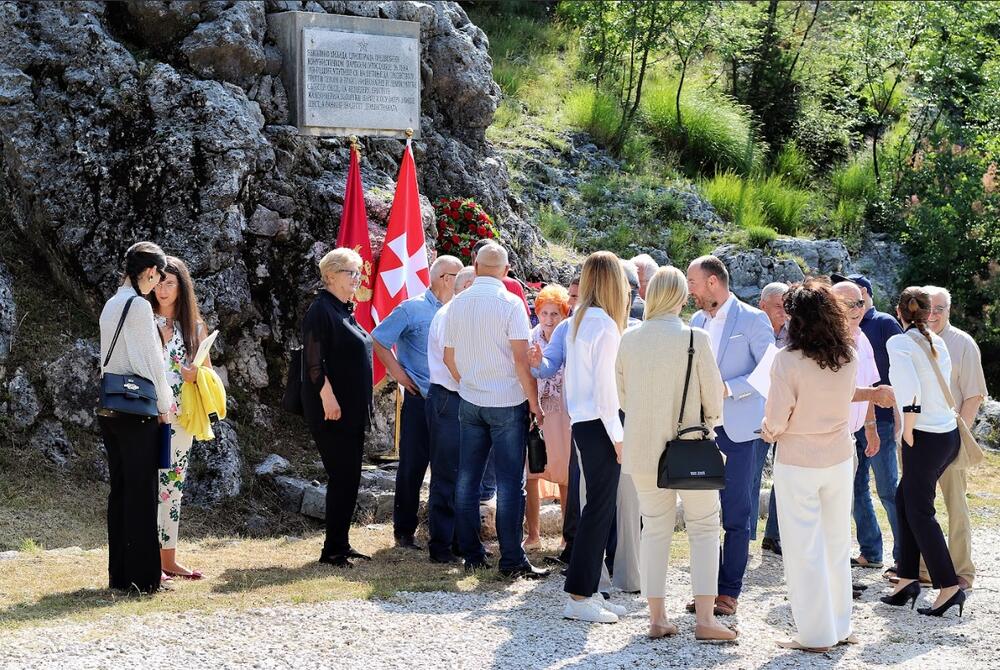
[[406, 328], [878, 327]]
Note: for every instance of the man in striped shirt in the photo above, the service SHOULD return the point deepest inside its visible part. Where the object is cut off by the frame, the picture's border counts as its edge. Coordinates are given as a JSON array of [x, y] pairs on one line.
[[486, 350]]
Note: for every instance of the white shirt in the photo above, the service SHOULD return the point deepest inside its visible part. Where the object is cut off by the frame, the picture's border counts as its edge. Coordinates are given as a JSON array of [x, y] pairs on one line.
[[482, 321], [867, 376], [716, 324], [590, 382], [915, 384], [440, 374]]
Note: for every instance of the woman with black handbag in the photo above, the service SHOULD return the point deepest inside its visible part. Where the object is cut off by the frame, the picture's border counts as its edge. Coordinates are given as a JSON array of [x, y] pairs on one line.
[[668, 383], [808, 415], [135, 399]]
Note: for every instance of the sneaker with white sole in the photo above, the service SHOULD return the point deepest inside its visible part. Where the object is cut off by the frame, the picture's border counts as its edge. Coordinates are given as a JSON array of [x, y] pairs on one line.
[[617, 610], [588, 610]]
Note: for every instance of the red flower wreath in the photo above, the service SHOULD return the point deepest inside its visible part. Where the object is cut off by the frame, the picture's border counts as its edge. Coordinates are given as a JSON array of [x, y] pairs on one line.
[[460, 224]]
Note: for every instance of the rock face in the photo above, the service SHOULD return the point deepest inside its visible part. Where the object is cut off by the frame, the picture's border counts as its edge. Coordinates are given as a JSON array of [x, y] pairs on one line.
[[51, 442], [164, 121], [24, 405], [987, 425]]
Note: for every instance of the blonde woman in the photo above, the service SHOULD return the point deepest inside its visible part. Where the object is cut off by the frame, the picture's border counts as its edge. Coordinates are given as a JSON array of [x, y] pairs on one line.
[[651, 370], [337, 394], [592, 401], [551, 306]]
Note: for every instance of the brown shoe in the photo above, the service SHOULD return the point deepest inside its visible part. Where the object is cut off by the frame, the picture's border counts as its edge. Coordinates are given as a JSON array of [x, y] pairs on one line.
[[725, 605]]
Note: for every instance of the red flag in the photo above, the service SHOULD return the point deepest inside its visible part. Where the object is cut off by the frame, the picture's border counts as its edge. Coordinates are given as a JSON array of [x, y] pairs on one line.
[[353, 234], [402, 267]]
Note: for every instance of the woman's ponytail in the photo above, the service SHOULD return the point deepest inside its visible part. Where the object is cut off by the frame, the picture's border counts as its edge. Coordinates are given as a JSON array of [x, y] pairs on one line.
[[914, 308]]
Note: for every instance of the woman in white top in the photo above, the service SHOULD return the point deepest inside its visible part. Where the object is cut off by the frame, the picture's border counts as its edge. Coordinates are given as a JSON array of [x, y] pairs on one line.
[[596, 426], [132, 440], [930, 443]]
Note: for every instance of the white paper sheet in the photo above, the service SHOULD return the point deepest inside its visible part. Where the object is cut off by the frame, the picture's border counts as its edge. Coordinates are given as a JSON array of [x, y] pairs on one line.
[[760, 378], [204, 348]]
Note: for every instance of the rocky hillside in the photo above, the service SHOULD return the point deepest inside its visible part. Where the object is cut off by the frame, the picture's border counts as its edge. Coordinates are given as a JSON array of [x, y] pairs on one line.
[[167, 121]]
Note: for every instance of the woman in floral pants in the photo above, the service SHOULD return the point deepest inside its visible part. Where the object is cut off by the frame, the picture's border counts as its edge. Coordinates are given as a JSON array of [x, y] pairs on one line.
[[181, 330]]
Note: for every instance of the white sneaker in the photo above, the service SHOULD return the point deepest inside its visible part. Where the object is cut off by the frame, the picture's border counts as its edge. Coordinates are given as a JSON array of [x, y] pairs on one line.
[[588, 610], [617, 610]]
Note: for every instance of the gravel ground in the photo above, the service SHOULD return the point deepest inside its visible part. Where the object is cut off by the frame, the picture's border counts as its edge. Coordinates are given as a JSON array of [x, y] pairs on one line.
[[519, 627]]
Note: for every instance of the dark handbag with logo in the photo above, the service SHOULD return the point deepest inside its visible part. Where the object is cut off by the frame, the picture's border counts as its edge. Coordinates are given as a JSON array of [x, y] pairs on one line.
[[126, 394], [292, 400], [691, 464], [537, 458]]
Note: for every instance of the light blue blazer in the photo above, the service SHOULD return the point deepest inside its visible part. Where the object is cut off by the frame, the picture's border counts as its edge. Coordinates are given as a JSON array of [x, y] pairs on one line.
[[745, 338]]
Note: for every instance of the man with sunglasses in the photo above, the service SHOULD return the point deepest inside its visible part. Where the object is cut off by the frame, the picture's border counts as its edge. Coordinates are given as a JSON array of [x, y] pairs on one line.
[[878, 327], [406, 329], [968, 389]]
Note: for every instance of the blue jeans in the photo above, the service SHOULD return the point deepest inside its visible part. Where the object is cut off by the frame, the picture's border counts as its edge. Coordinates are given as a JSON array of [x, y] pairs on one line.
[[489, 487], [414, 455], [505, 431], [735, 501], [886, 469], [771, 530], [442, 424]]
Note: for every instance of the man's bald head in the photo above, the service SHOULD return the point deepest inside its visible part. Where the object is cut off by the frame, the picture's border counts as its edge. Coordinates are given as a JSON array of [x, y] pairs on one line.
[[853, 302], [491, 261]]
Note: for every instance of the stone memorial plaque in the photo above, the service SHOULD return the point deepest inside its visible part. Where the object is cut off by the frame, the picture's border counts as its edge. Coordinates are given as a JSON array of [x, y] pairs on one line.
[[348, 75]]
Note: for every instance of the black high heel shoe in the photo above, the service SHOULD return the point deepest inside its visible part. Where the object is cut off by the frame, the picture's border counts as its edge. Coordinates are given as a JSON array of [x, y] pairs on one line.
[[957, 599], [905, 595]]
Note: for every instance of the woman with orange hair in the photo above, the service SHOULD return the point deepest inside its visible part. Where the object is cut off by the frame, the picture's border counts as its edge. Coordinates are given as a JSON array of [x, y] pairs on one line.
[[551, 307]]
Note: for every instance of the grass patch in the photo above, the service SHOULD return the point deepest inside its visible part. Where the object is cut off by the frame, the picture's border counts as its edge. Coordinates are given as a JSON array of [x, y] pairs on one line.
[[759, 236], [792, 165], [755, 203], [554, 225], [592, 112], [714, 133]]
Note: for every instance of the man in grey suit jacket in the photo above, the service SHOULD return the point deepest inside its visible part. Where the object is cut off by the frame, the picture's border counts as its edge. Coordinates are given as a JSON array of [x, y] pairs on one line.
[[740, 334]]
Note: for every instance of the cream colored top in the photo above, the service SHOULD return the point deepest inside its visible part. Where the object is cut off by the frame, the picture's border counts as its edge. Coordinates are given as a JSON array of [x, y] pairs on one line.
[[967, 377], [650, 367], [808, 411]]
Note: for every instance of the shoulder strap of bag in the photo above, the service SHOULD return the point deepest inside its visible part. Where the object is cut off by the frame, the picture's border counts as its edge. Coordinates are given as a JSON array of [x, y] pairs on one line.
[[945, 388], [687, 378], [121, 322]]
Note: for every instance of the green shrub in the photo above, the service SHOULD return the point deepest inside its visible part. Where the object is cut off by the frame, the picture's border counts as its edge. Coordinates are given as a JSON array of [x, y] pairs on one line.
[[792, 164], [759, 236], [637, 152], [508, 114], [593, 112], [715, 131]]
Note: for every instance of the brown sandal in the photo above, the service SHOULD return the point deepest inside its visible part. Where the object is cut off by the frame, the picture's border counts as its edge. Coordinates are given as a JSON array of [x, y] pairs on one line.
[[705, 634], [657, 631], [794, 644], [725, 606]]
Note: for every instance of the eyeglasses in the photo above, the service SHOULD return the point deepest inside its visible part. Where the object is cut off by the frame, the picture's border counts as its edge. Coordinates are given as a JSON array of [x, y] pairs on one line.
[[449, 274], [355, 274], [940, 309], [854, 304]]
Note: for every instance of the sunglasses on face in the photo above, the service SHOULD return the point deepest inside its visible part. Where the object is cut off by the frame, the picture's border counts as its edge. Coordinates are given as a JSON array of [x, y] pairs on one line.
[[854, 304]]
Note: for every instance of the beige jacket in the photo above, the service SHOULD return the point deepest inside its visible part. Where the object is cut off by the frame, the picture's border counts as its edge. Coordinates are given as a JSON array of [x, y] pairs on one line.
[[652, 360]]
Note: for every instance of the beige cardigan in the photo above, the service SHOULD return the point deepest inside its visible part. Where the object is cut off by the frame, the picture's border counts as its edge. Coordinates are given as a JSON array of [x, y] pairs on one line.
[[652, 360], [808, 411]]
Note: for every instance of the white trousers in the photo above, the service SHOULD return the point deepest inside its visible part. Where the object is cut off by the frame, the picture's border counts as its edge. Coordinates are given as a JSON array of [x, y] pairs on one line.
[[814, 518], [629, 523], [659, 514]]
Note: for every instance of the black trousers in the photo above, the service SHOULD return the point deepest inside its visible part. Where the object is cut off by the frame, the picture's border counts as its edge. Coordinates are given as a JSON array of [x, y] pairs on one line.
[[133, 459], [601, 470], [341, 448], [919, 532]]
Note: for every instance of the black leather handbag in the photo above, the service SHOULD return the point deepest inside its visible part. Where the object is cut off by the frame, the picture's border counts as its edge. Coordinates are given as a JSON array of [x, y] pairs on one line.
[[126, 394], [292, 400], [537, 458], [691, 464]]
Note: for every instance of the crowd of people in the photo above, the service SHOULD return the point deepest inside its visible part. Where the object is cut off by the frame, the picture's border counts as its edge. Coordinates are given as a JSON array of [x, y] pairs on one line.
[[609, 376]]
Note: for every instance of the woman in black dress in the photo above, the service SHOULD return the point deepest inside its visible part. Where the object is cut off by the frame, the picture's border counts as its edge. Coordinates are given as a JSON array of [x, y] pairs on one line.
[[337, 394]]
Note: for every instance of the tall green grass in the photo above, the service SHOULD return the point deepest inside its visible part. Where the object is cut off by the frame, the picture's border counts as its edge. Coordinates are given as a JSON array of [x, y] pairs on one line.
[[714, 134], [792, 164], [594, 112], [750, 202]]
